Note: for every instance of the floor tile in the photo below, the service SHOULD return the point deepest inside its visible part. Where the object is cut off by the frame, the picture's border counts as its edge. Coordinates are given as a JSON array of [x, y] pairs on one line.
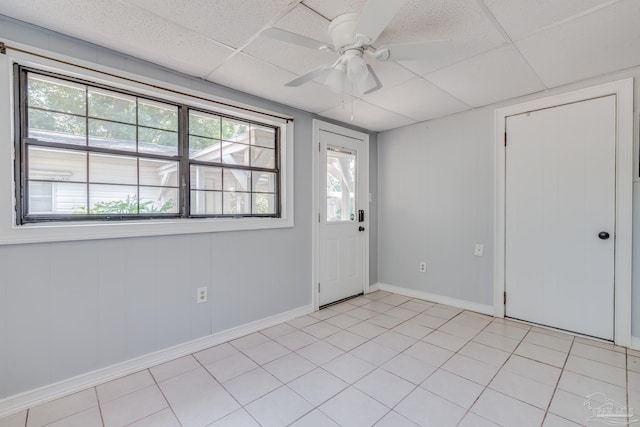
[[62, 408], [458, 330], [296, 340], [266, 352], [633, 363], [359, 301], [353, 408], [343, 307], [249, 386], [320, 352], [321, 329], [428, 353], [394, 299], [216, 353], [123, 386], [532, 369], [393, 419], [345, 340], [413, 330], [226, 369], [549, 341], [471, 369], [428, 409], [385, 321], [343, 321], [425, 319], [500, 328], [315, 418], [385, 387], [483, 353], [367, 330], [164, 418], [362, 314], [500, 342], [507, 411], [349, 368], [452, 387], [634, 382], [318, 386], [409, 368], [473, 420], [585, 386], [289, 367], [395, 340], [444, 312], [374, 353], [377, 306], [173, 368], [597, 370], [416, 305], [88, 418], [598, 354], [15, 420], [552, 420], [541, 354], [197, 399], [302, 322], [401, 313], [450, 342], [324, 314], [521, 388], [133, 406], [279, 408], [570, 406], [278, 330], [249, 341], [239, 418]]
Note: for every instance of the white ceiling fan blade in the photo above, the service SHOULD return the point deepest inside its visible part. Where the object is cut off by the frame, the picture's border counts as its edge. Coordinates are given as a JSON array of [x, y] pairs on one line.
[[293, 38], [370, 84], [376, 16], [307, 77], [414, 51]]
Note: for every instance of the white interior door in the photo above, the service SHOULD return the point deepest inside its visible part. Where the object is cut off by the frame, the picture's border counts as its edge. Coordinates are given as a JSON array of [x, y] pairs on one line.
[[560, 196], [343, 222]]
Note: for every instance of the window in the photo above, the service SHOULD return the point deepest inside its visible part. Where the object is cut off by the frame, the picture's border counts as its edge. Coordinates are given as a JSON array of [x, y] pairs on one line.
[[85, 151]]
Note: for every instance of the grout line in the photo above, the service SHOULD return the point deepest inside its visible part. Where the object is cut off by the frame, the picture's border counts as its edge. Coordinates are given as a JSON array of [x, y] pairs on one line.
[[558, 381], [95, 391]]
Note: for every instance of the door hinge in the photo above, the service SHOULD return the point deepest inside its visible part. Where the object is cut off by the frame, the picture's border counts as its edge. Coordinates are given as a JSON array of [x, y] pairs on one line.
[[318, 147], [504, 298], [3, 48], [505, 139], [318, 287], [318, 216]]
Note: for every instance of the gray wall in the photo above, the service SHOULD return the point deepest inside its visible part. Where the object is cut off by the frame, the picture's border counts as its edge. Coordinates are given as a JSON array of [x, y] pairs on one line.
[[436, 200], [69, 308]]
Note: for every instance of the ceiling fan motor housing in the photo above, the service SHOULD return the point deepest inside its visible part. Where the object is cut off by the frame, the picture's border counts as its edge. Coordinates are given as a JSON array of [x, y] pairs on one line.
[[341, 30]]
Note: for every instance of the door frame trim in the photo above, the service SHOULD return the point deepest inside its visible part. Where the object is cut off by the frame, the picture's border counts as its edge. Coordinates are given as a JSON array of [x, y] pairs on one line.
[[623, 89], [318, 126]]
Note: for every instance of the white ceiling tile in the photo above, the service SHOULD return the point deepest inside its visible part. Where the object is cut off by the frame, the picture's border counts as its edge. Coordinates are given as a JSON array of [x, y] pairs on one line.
[[251, 75], [487, 78], [389, 73], [595, 44], [366, 116], [231, 22], [522, 17], [417, 99], [124, 28]]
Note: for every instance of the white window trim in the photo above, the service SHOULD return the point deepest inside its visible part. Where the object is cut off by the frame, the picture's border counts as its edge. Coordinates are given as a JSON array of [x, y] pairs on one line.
[[11, 233]]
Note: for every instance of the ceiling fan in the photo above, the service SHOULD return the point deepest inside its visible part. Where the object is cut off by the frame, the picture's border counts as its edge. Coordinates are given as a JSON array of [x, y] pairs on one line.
[[352, 37]]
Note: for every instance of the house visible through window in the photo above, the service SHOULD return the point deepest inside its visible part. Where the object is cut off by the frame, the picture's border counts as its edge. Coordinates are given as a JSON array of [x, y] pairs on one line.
[[87, 152]]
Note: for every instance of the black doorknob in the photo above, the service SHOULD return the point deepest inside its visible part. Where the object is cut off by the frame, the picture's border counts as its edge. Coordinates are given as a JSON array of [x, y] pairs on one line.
[[361, 228], [603, 235]]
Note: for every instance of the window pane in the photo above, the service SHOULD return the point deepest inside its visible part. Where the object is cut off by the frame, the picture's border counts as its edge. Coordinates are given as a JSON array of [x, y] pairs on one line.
[[262, 136], [158, 200], [157, 141], [206, 178], [264, 204], [115, 136], [204, 149], [237, 180], [263, 182], [113, 199], [112, 106], [340, 186], [65, 198], [40, 197], [157, 115], [162, 173], [57, 165], [235, 154], [236, 203], [203, 124], [236, 131], [206, 203], [57, 127], [110, 169], [54, 94], [263, 157]]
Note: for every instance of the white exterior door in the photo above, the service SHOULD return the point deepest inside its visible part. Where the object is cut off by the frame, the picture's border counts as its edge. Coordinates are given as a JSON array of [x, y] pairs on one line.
[[560, 216], [342, 218]]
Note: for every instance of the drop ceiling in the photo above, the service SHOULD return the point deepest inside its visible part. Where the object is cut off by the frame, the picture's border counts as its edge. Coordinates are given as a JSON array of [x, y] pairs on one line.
[[500, 49]]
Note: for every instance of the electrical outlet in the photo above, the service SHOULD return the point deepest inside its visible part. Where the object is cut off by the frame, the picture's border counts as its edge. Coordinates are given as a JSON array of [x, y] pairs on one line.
[[423, 267], [202, 295], [479, 250]]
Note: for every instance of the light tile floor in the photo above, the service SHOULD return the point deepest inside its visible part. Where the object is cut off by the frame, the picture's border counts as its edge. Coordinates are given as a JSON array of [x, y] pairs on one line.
[[380, 359]]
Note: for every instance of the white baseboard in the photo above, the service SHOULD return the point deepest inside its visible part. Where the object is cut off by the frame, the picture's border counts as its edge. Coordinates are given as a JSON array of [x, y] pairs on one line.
[[635, 343], [374, 287], [440, 299], [81, 382]]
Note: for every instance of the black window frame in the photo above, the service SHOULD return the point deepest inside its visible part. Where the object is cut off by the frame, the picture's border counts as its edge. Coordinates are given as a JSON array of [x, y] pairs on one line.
[[22, 142]]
